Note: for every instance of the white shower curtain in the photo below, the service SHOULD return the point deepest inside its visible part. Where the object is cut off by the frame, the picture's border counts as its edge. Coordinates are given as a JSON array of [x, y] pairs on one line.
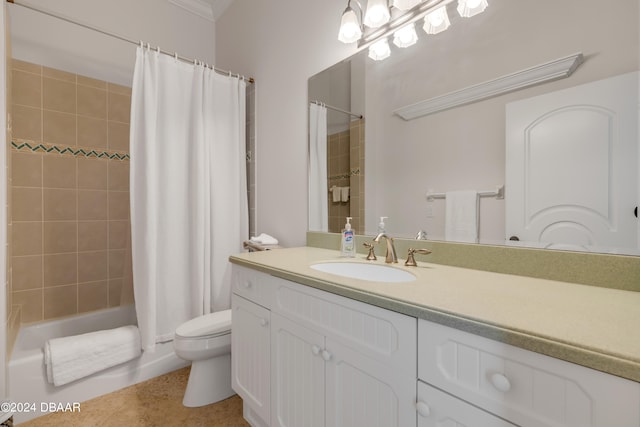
[[318, 193], [188, 190]]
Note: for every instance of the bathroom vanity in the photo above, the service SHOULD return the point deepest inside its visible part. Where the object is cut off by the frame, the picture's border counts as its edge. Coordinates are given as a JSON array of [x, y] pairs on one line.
[[454, 345]]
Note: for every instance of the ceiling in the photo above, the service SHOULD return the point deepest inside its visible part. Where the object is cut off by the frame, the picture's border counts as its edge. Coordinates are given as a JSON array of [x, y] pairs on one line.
[[208, 9]]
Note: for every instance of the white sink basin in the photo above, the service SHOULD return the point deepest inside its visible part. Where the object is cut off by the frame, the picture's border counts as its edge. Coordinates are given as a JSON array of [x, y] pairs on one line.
[[362, 271]]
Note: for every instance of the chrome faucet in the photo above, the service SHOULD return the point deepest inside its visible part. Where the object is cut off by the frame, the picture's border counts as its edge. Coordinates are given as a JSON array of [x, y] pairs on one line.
[[391, 250]]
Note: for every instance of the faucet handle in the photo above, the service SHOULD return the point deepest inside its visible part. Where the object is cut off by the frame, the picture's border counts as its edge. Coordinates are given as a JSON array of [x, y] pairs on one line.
[[411, 261], [372, 254]]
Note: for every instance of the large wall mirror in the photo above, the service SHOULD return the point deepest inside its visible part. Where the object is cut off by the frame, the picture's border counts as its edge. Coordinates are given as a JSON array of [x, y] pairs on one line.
[[566, 151]]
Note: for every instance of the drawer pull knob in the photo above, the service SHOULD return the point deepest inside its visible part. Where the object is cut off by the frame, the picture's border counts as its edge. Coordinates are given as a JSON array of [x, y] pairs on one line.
[[263, 322], [315, 350], [326, 355], [423, 409], [501, 382], [247, 284]]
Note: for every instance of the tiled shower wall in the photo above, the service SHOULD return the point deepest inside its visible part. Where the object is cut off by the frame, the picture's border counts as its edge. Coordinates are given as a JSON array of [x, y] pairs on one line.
[[71, 246], [345, 164]]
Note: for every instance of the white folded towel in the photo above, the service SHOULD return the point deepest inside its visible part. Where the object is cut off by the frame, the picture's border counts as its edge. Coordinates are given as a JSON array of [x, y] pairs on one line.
[[336, 192], [461, 216], [344, 194], [264, 239], [70, 358]]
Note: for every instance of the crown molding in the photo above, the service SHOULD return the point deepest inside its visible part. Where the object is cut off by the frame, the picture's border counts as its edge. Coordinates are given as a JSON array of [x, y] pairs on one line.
[[553, 70], [201, 8]]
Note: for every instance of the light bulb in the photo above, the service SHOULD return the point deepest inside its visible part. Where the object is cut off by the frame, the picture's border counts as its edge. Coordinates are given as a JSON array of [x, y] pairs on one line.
[[350, 27], [377, 13], [380, 50], [436, 21], [469, 8], [405, 36]]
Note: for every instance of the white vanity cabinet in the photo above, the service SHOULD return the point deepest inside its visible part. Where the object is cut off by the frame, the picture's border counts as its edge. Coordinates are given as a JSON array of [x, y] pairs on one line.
[[250, 349], [520, 386], [306, 357], [333, 361], [339, 362]]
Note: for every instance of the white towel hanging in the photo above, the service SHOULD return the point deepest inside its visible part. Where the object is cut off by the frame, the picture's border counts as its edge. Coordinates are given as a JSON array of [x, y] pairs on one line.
[[344, 194], [461, 216]]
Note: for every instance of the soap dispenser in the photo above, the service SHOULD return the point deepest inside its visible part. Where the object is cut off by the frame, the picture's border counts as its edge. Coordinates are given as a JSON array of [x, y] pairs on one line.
[[348, 244], [381, 226]]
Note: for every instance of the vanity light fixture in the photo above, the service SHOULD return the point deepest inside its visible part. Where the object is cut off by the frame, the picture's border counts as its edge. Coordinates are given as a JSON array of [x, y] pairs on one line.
[[378, 18], [405, 4], [377, 13], [469, 8], [405, 36], [379, 50], [437, 21], [350, 30]]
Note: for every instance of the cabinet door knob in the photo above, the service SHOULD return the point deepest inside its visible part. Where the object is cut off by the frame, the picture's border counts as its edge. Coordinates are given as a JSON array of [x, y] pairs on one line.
[[246, 284], [263, 322], [326, 355], [315, 350], [423, 409], [500, 382]]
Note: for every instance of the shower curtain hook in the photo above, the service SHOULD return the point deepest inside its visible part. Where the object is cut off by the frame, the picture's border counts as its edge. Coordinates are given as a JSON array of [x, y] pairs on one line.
[[158, 49], [141, 44], [175, 55]]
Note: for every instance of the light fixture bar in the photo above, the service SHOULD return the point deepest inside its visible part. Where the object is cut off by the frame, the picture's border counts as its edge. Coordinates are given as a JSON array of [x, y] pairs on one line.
[[407, 17], [553, 70]]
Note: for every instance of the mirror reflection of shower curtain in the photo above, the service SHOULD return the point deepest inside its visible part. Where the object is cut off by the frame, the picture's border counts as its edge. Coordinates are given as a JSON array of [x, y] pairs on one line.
[[318, 191], [188, 190]]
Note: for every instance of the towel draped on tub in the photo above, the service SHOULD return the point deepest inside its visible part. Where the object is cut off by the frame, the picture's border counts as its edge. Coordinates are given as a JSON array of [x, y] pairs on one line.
[[70, 358]]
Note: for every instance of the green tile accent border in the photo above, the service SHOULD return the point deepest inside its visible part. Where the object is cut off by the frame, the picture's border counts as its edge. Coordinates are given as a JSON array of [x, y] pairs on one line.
[[603, 270], [353, 172], [35, 147]]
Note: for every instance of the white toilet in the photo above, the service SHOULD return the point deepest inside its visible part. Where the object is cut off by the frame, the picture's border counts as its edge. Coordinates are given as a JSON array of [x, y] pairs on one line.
[[206, 342]]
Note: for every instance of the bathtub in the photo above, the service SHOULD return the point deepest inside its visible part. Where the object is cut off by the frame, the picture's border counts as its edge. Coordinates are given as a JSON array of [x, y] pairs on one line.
[[28, 379]]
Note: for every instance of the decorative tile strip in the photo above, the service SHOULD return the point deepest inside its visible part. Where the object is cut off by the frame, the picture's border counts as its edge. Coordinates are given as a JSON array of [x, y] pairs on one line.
[[354, 172], [35, 147]]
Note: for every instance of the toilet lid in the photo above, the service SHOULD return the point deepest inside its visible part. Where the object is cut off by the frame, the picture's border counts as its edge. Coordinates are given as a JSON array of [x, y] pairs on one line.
[[215, 323]]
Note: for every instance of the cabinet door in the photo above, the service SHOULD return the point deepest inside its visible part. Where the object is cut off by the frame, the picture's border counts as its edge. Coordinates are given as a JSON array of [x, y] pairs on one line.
[[438, 409], [250, 351], [362, 391], [297, 387]]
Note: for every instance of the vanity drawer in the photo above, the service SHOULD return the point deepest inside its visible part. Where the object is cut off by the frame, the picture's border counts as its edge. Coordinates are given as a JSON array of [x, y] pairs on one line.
[[436, 408], [253, 285], [521, 386]]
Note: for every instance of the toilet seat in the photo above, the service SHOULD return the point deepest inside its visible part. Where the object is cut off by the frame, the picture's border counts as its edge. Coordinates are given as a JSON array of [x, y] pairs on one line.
[[206, 326]]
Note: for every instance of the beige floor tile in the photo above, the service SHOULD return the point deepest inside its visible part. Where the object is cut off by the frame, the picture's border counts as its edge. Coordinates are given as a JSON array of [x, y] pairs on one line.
[[156, 402]]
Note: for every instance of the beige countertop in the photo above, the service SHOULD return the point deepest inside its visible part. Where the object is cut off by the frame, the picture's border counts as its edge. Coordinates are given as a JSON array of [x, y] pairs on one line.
[[588, 325]]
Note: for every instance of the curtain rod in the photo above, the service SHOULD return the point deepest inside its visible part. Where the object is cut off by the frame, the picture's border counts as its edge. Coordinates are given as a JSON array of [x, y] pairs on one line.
[[360, 116], [124, 39]]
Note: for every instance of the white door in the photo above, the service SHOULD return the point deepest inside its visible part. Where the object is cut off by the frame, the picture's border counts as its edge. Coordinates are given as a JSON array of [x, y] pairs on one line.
[[571, 167], [250, 351], [297, 383], [362, 391]]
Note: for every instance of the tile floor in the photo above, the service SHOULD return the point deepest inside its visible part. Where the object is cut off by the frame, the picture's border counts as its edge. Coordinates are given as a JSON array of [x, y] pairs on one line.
[[156, 402]]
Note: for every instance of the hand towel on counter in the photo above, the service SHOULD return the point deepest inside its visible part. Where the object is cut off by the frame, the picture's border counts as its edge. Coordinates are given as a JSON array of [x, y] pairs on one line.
[[70, 358], [344, 194], [461, 216], [264, 239]]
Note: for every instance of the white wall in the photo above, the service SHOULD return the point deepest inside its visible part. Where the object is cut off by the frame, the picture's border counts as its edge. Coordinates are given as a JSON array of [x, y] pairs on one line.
[[49, 41], [281, 43]]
